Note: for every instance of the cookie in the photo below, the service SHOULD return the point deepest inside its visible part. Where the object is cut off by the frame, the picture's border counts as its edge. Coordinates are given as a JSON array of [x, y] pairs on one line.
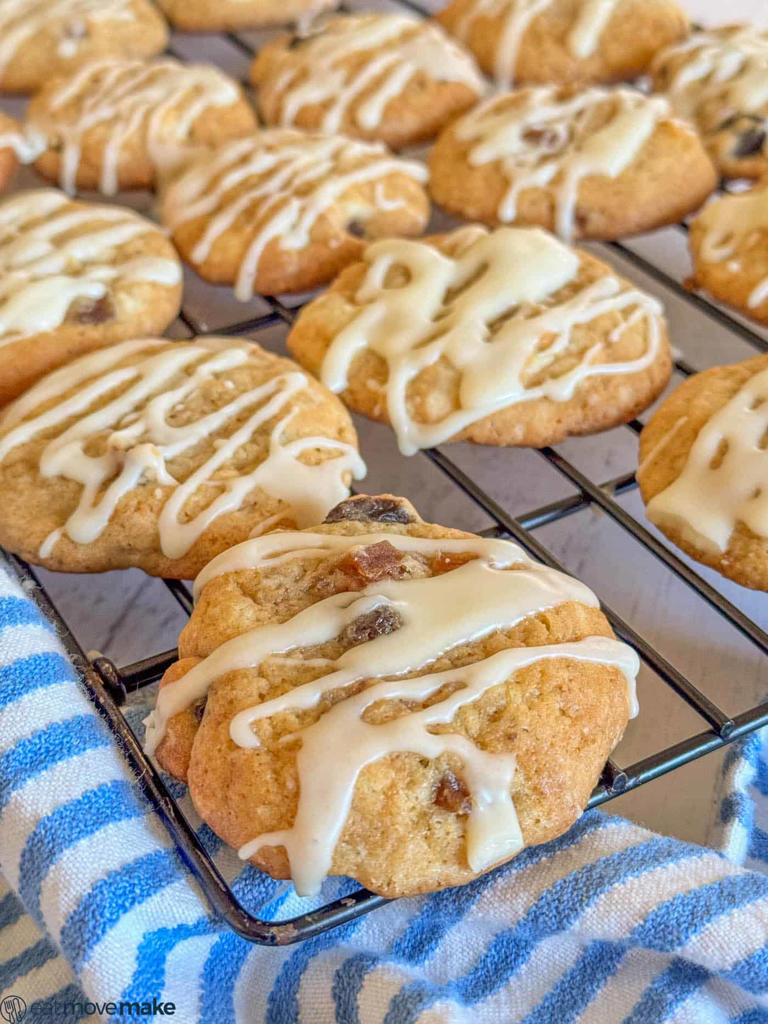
[[43, 38], [160, 454], [118, 123], [75, 277], [718, 79], [224, 15], [703, 470], [506, 337], [358, 716], [566, 41], [729, 245], [285, 211], [390, 77], [14, 147], [592, 163]]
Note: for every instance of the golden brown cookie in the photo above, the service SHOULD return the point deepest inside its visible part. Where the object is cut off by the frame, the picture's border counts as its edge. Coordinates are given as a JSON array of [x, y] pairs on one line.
[[358, 716], [389, 77], [40, 39], [703, 470], [160, 454], [284, 211], [718, 80], [589, 163], [729, 246], [568, 41], [506, 337], [75, 277], [117, 123], [223, 15]]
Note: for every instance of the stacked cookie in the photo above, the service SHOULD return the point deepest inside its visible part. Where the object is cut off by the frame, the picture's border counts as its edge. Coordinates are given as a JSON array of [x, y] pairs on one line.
[[322, 617]]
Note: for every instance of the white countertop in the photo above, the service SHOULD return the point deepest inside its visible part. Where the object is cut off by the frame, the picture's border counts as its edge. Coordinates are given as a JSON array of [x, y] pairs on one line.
[[128, 616]]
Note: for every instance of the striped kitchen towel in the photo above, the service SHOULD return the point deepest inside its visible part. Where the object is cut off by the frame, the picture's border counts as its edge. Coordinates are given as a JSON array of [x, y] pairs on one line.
[[99, 919]]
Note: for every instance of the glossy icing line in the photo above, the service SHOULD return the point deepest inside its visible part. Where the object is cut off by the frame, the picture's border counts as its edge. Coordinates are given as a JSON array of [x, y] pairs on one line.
[[591, 17], [434, 618], [283, 181], [139, 442], [53, 252], [400, 46], [494, 279], [725, 478], [541, 139], [162, 100]]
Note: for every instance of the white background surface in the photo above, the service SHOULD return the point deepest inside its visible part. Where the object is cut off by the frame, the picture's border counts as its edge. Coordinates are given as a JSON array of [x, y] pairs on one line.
[[127, 616]]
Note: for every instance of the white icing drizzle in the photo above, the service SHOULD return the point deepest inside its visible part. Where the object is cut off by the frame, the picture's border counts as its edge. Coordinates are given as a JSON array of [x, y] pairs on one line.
[[541, 137], [20, 20], [400, 46], [729, 65], [590, 19], [281, 181], [725, 477], [435, 617], [161, 100], [54, 251], [495, 277], [728, 223], [139, 442]]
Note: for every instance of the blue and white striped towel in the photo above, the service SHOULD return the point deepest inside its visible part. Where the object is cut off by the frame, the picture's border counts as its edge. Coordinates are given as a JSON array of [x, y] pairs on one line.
[[610, 923]]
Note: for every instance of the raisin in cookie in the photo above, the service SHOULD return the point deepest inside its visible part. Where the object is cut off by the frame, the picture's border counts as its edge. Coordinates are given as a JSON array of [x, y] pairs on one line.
[[75, 277], [592, 163], [285, 211], [358, 716], [223, 15], [703, 470], [506, 337], [718, 79], [160, 454], [41, 38], [564, 40], [119, 123], [389, 77], [729, 245]]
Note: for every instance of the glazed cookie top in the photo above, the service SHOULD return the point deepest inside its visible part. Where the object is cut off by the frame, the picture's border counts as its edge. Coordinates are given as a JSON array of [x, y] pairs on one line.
[[205, 423], [60, 260], [726, 228], [550, 136], [562, 41], [723, 479], [73, 24], [404, 607], [277, 186], [346, 73], [516, 313], [719, 79], [162, 103]]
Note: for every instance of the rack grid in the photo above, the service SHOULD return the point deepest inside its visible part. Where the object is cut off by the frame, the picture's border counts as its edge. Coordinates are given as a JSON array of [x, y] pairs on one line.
[[109, 685]]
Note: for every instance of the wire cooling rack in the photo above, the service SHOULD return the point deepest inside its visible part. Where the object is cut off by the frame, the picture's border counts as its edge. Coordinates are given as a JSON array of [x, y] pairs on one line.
[[110, 685]]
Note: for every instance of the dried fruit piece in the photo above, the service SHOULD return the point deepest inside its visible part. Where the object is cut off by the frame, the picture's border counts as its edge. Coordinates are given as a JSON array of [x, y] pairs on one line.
[[452, 794], [366, 565], [377, 509], [375, 623]]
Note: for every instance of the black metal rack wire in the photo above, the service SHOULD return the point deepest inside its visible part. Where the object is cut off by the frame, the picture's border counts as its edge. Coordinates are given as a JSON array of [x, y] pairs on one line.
[[109, 685]]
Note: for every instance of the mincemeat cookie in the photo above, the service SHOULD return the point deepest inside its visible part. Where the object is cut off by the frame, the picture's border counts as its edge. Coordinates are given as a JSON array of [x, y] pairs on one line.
[[566, 41], [75, 277], [388, 77], [40, 39], [506, 337], [729, 246], [703, 470], [226, 15], [160, 454], [718, 80], [590, 163], [117, 123], [285, 211], [358, 716]]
